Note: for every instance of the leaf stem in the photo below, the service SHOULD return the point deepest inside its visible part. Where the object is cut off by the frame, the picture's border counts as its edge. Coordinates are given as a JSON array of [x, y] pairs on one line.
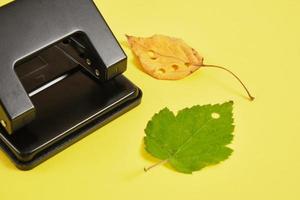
[[146, 169], [251, 98]]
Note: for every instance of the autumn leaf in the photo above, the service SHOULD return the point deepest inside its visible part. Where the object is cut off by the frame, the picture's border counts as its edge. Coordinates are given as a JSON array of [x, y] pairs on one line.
[[164, 57], [168, 58]]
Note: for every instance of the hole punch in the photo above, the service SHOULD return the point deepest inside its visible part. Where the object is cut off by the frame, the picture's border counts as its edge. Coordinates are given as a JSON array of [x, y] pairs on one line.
[[58, 84]]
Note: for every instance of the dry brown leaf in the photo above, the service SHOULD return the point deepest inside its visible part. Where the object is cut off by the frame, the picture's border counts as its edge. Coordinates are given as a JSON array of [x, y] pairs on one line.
[[168, 58], [165, 57]]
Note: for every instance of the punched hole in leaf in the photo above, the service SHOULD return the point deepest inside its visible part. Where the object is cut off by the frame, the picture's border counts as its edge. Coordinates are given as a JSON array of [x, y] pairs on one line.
[[175, 67], [215, 115], [161, 71], [187, 65], [152, 55]]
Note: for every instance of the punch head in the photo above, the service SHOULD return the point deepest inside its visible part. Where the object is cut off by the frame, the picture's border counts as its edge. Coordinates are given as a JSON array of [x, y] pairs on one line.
[[15, 110], [32, 26]]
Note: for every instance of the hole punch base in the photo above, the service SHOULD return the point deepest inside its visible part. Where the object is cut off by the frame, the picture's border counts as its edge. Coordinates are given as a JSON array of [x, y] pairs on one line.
[[84, 107]]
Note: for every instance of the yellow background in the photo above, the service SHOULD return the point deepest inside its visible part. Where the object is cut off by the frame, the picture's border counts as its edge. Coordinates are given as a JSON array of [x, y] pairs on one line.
[[259, 40]]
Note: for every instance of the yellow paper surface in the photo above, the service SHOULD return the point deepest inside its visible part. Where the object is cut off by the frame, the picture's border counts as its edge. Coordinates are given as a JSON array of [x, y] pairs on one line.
[[259, 40]]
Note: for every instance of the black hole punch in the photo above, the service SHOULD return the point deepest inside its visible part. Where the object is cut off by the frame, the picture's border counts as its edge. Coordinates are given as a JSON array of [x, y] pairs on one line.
[[50, 98]]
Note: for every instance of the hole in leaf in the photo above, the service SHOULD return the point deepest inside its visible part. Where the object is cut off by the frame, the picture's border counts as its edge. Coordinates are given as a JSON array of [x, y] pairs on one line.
[[152, 55], [175, 67], [195, 52], [215, 115], [187, 64], [161, 71]]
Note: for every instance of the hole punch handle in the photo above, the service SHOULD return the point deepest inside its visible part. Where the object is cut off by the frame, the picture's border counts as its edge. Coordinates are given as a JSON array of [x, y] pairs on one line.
[[31, 26]]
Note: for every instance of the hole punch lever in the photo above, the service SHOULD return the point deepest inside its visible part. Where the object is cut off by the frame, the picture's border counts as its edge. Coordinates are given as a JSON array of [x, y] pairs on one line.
[[60, 77], [28, 31]]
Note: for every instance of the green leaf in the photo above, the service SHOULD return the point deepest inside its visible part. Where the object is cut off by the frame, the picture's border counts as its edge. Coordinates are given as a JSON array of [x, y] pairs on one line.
[[197, 137]]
